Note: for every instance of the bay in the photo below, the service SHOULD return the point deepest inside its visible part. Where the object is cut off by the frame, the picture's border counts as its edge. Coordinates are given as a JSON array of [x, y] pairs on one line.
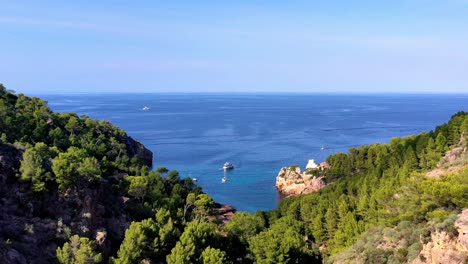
[[259, 133]]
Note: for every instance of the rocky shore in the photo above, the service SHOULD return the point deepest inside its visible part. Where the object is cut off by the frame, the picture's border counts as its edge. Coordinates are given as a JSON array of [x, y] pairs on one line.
[[292, 182]]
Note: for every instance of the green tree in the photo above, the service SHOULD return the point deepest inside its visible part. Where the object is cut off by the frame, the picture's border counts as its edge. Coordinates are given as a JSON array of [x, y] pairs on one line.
[[138, 187], [411, 161], [204, 204], [162, 170], [36, 165], [74, 167], [245, 225], [283, 242], [80, 250], [432, 155], [138, 243], [331, 222], [189, 203], [195, 238], [167, 233], [441, 144], [318, 229], [213, 256]]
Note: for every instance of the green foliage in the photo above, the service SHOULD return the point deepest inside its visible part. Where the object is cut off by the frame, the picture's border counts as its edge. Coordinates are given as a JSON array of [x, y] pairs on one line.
[[379, 195], [75, 167], [204, 204], [138, 243], [193, 241], [447, 224], [401, 245], [380, 185], [28, 120], [36, 165], [138, 187], [213, 256], [162, 170], [283, 242], [79, 250], [293, 167], [244, 225], [148, 239]]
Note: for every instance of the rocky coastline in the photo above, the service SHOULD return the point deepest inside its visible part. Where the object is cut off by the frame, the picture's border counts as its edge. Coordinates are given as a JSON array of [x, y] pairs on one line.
[[291, 181]]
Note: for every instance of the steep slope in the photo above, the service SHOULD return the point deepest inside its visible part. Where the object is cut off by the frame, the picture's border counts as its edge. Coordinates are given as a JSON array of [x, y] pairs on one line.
[[48, 191], [447, 246], [382, 186], [33, 225], [70, 187]]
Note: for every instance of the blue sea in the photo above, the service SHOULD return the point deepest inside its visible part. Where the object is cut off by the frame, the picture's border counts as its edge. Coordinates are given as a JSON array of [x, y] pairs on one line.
[[259, 133]]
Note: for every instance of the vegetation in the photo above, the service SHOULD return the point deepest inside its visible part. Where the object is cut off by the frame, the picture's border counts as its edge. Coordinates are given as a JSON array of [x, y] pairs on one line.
[[378, 190], [382, 185], [80, 250]]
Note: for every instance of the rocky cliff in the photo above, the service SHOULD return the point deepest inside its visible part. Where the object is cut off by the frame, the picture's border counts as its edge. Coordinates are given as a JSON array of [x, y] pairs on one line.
[[33, 224], [137, 149], [447, 247], [291, 182]]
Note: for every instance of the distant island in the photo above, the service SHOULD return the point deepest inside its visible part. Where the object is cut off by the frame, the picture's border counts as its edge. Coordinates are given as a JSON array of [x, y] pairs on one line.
[[79, 190]]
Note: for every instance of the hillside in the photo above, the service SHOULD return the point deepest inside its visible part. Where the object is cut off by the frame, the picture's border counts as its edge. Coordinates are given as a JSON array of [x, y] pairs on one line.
[[78, 190], [382, 187]]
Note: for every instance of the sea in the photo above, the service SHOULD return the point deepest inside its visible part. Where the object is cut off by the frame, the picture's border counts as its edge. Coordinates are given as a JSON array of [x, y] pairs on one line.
[[196, 133]]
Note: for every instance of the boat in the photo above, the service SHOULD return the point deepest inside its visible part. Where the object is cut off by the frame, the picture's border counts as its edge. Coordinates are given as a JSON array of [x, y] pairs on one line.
[[323, 148], [228, 166], [146, 108], [194, 179], [224, 179]]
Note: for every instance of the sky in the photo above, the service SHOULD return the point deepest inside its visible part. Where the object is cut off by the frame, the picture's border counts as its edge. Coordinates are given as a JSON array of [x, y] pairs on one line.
[[414, 46]]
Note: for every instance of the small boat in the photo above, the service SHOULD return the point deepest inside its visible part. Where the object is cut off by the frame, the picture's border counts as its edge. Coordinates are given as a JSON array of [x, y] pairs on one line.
[[224, 179], [323, 148], [194, 179], [146, 108], [228, 166]]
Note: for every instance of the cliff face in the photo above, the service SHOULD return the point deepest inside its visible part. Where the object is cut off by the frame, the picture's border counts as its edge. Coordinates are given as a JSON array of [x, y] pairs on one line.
[[447, 248], [137, 149], [291, 182], [9, 162], [32, 224]]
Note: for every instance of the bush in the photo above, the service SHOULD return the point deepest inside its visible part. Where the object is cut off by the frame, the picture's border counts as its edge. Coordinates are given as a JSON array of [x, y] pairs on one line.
[[414, 250], [293, 167]]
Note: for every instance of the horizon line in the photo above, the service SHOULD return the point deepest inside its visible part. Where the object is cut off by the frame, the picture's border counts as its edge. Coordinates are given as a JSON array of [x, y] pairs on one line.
[[248, 93]]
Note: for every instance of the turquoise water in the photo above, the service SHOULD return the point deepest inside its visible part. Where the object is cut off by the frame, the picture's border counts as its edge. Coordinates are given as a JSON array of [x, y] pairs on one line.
[[259, 133]]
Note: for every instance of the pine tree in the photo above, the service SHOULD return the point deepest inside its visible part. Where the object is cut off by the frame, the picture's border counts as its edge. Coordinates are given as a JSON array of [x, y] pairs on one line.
[[213, 256], [80, 250]]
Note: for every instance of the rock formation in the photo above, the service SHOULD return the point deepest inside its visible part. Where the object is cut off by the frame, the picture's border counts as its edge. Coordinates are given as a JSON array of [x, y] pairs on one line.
[[291, 182], [452, 160], [32, 224], [137, 149], [445, 247]]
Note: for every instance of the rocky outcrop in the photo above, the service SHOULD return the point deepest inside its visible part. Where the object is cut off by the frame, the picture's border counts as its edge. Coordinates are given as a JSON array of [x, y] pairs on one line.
[[32, 225], [291, 182], [10, 158], [137, 149], [446, 247], [453, 160]]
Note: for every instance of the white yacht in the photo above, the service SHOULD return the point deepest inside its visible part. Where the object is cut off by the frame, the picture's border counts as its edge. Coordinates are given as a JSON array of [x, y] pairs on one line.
[[228, 166], [146, 108]]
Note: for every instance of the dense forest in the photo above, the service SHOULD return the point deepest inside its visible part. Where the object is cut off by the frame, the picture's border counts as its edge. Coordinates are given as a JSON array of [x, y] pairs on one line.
[[77, 181]]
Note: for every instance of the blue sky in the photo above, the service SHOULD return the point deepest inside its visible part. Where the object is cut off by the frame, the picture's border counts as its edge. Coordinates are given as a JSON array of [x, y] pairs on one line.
[[240, 46]]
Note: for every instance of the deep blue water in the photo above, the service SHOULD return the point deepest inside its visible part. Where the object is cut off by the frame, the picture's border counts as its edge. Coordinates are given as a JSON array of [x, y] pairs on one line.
[[259, 133]]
